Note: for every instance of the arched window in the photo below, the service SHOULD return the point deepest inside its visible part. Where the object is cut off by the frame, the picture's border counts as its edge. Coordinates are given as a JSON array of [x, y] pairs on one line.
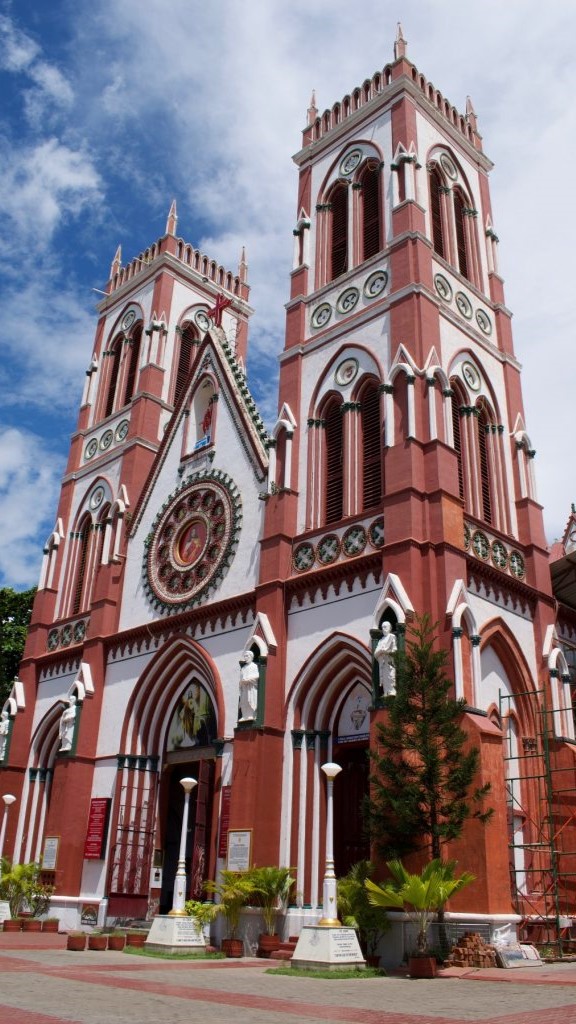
[[484, 464], [116, 355], [339, 231], [371, 446], [461, 249], [334, 492], [85, 534], [458, 401], [187, 339], [370, 198], [436, 212], [133, 364]]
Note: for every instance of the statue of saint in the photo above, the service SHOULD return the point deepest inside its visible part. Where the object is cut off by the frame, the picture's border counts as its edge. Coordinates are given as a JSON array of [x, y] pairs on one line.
[[384, 654], [249, 676], [4, 730], [67, 724]]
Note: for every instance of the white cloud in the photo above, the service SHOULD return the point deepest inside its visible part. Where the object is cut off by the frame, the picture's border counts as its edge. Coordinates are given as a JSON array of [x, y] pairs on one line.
[[17, 49]]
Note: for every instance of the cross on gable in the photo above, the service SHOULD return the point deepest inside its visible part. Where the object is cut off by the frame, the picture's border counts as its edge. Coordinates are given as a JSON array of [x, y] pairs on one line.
[[219, 306]]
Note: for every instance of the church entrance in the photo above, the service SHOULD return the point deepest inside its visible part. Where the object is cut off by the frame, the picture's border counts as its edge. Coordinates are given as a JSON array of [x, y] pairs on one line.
[[198, 832], [350, 751]]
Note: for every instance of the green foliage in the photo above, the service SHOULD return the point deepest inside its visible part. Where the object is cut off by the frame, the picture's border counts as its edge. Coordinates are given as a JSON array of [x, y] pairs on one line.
[[355, 909], [422, 782], [233, 892], [20, 885], [203, 913], [15, 611], [421, 896], [270, 890]]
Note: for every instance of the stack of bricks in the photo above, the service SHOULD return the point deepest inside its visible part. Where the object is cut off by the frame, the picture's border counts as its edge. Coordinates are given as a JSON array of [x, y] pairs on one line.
[[472, 951]]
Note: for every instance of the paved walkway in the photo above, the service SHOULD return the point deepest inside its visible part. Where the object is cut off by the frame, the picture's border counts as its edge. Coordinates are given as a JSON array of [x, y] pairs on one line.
[[42, 983]]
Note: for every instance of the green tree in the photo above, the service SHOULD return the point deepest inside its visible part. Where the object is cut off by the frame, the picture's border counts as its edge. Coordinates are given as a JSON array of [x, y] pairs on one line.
[[15, 611], [422, 780]]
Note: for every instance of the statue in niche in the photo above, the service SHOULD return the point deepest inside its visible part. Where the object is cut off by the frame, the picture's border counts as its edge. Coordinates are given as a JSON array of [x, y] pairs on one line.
[[4, 730], [249, 676], [384, 654], [67, 722]]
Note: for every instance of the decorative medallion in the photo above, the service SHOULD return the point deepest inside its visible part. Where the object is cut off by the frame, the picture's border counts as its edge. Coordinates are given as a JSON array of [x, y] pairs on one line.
[[121, 430], [79, 631], [481, 545], [350, 162], [354, 541], [193, 540], [376, 533], [97, 497], [202, 320], [448, 167], [106, 439], [517, 565], [484, 322], [375, 284], [321, 315], [443, 287], [466, 536], [53, 639], [346, 371], [91, 448], [328, 549], [347, 300], [66, 635], [464, 305], [471, 376], [303, 557], [499, 554], [128, 320]]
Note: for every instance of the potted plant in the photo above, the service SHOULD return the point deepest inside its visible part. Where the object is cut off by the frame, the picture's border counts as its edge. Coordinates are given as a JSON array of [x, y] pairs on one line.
[[233, 892], [202, 913], [76, 941], [12, 924], [116, 941], [270, 891], [356, 911], [421, 897], [50, 924], [20, 885], [136, 939], [98, 941]]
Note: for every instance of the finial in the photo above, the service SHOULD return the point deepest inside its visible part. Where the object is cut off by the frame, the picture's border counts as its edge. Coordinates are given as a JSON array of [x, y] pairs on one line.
[[471, 114], [116, 262], [400, 46], [243, 266], [172, 219], [312, 109], [573, 506]]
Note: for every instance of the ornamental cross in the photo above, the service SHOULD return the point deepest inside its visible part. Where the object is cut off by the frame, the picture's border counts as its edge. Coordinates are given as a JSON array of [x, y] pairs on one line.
[[219, 306]]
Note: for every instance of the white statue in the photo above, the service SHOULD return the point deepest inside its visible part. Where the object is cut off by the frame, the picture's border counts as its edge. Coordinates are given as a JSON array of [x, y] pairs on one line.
[[384, 654], [249, 676], [67, 724], [4, 730]]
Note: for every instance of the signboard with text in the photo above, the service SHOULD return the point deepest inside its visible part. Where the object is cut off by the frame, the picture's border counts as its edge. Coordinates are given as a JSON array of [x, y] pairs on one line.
[[97, 831]]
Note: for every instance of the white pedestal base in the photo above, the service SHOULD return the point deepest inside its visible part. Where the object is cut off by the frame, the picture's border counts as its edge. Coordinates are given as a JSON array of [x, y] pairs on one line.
[[175, 935], [327, 948]]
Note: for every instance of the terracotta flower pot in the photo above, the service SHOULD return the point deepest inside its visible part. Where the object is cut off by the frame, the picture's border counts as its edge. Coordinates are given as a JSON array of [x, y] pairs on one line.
[[12, 924], [422, 967], [136, 939], [51, 925], [268, 944], [76, 942], [99, 942], [233, 947], [116, 942], [31, 924]]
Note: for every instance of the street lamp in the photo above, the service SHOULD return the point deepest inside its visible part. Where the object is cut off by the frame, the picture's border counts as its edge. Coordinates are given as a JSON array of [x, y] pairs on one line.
[[180, 879], [8, 801], [329, 902]]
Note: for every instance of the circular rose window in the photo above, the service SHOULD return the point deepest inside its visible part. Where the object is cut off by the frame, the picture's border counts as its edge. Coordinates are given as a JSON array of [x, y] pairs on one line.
[[193, 541]]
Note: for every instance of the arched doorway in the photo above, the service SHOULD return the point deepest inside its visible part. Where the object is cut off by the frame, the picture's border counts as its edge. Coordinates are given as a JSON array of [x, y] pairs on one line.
[[350, 751]]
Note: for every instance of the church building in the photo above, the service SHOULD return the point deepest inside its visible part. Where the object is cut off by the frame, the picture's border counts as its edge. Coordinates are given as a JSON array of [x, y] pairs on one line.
[[214, 591]]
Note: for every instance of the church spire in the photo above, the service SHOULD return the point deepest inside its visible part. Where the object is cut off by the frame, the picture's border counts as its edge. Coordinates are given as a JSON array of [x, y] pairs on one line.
[[400, 45], [172, 219], [116, 262], [243, 266], [312, 112]]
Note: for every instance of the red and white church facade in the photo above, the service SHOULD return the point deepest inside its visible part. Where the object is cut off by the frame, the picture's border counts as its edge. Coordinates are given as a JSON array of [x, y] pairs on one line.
[[396, 480]]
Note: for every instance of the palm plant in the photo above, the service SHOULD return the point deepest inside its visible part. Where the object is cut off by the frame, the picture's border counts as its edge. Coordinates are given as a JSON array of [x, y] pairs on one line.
[[20, 885], [421, 896], [355, 909], [271, 888], [232, 892]]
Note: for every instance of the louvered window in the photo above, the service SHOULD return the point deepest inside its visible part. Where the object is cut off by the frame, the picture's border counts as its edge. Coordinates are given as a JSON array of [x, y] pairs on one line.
[[113, 379], [371, 448], [334, 479], [460, 232], [133, 365], [483, 431], [436, 212], [339, 251], [83, 541], [371, 236], [184, 360], [458, 444]]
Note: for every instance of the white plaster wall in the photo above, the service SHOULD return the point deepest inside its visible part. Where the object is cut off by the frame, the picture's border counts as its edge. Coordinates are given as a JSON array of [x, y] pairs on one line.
[[49, 692]]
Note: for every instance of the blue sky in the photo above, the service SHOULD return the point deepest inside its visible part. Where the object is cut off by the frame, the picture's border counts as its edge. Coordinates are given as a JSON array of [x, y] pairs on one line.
[[108, 111]]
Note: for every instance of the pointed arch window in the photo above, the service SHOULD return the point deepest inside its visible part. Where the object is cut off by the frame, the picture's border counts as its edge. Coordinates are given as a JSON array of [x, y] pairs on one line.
[[339, 231], [484, 464], [116, 353], [436, 187], [334, 495], [370, 198], [133, 364], [459, 433], [371, 446], [188, 339], [85, 534], [459, 221]]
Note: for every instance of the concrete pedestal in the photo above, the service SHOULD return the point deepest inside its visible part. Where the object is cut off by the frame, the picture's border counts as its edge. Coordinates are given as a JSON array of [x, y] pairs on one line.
[[175, 935], [327, 948]]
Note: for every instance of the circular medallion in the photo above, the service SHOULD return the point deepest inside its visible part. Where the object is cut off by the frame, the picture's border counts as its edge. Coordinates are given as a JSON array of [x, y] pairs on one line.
[[121, 430], [321, 315], [466, 536], [303, 558], [354, 541], [193, 540], [443, 287], [347, 300], [375, 284], [346, 372], [517, 565], [471, 376], [53, 639], [499, 554], [464, 305], [376, 533], [91, 448], [481, 545], [106, 439], [328, 549], [350, 162], [483, 321], [128, 320], [97, 497], [448, 166], [79, 630], [202, 320], [66, 635]]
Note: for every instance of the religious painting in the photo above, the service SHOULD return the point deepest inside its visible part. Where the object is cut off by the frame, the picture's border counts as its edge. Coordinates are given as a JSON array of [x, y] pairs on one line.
[[354, 721], [193, 723]]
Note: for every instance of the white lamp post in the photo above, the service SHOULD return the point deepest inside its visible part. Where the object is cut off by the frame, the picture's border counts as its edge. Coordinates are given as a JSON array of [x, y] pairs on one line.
[[329, 903], [8, 800], [180, 879]]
